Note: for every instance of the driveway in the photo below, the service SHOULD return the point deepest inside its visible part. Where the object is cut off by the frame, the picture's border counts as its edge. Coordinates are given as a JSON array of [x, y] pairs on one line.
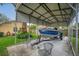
[[59, 48]]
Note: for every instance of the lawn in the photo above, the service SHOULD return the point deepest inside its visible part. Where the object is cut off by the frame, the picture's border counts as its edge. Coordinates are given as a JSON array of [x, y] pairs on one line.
[[8, 41], [73, 40]]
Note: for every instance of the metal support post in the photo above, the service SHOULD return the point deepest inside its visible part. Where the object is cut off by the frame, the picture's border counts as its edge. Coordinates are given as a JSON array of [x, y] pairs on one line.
[[76, 29]]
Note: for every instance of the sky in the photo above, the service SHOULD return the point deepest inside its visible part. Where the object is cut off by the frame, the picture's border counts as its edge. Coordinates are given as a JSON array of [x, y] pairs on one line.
[[8, 10]]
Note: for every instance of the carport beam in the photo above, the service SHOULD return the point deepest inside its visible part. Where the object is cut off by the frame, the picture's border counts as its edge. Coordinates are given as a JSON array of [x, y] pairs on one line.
[[72, 7], [76, 29]]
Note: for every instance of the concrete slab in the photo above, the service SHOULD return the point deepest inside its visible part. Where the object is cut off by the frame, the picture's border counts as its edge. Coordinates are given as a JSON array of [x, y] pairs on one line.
[[59, 48]]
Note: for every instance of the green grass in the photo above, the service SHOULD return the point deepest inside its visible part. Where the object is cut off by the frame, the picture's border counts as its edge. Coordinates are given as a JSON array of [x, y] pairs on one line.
[[73, 40], [8, 41]]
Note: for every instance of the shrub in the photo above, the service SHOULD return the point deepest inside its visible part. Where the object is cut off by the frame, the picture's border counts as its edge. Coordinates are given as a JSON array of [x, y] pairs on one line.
[[23, 35], [1, 34], [34, 36]]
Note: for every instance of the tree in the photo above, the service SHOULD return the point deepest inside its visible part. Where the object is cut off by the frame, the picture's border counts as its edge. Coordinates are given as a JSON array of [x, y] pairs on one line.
[[3, 18], [32, 28]]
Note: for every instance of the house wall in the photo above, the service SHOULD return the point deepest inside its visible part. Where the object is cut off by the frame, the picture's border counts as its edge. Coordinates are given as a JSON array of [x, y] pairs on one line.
[[8, 27]]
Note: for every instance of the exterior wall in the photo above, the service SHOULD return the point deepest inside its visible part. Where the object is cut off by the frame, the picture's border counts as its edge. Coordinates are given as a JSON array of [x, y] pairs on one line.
[[8, 27]]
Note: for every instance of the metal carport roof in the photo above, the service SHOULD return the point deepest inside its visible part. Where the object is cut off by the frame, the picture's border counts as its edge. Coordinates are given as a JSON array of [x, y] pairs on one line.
[[48, 12]]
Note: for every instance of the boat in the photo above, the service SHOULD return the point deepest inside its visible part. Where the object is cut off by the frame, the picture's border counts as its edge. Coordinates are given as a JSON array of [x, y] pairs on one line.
[[49, 32]]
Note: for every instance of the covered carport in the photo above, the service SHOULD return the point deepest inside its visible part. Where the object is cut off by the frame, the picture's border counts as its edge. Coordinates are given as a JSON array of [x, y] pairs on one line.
[[48, 13], [58, 15]]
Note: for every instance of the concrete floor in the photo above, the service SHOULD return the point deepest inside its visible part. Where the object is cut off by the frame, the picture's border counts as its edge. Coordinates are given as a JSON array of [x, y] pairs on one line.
[[59, 48]]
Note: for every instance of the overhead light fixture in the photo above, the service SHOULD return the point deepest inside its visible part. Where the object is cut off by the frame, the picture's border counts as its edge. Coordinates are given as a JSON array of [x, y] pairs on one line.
[[60, 27]]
